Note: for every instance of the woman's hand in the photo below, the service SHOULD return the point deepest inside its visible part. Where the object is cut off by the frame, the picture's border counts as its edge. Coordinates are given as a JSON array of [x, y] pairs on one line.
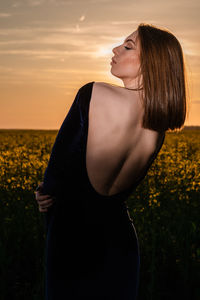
[[44, 201]]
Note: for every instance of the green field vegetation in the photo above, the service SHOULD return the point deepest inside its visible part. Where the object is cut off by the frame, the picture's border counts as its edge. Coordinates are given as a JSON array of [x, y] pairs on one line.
[[164, 209]]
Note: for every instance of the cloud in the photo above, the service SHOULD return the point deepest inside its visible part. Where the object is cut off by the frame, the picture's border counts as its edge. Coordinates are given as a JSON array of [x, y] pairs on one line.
[[17, 4], [35, 2], [46, 52], [82, 18], [5, 15], [56, 43], [124, 22], [32, 3], [60, 2], [40, 2], [48, 43], [100, 1], [61, 78]]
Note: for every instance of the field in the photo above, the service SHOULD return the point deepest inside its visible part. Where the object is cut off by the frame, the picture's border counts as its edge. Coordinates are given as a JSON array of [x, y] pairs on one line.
[[164, 208]]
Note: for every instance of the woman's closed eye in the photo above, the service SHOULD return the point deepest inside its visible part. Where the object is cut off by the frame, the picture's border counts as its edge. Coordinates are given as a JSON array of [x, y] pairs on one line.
[[127, 48]]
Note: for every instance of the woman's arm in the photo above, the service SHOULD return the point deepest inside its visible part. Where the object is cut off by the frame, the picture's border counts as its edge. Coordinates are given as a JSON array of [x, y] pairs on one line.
[[63, 155], [45, 191]]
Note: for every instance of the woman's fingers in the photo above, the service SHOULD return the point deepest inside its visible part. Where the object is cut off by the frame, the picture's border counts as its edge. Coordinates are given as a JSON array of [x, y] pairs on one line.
[[39, 197], [43, 206], [46, 203]]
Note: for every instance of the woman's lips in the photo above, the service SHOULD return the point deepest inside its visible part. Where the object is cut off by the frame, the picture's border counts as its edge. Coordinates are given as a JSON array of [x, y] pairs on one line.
[[113, 61]]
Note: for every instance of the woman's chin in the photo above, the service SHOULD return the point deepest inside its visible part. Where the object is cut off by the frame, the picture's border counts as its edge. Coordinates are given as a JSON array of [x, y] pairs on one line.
[[114, 74], [112, 71]]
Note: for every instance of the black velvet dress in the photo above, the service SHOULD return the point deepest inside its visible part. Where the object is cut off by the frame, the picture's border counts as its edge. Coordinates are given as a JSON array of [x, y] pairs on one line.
[[91, 244]]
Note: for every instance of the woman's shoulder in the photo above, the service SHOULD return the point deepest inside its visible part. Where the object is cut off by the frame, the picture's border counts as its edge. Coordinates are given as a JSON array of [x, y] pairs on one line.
[[109, 87], [114, 99], [102, 91], [118, 96], [104, 85]]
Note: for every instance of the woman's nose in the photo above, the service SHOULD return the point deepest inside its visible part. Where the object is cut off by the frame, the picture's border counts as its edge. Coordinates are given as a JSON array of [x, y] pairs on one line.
[[114, 50]]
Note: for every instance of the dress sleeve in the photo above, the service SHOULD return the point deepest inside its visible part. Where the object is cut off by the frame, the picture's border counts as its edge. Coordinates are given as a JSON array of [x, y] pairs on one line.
[[65, 151]]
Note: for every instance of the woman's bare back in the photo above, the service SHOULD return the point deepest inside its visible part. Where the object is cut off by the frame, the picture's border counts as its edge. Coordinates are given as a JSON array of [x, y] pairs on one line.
[[118, 148]]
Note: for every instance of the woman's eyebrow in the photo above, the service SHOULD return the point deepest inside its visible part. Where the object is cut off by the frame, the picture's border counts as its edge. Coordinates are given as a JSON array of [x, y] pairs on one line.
[[129, 40]]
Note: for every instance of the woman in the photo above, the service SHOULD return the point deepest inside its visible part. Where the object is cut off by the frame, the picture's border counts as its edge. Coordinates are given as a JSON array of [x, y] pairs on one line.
[[103, 150]]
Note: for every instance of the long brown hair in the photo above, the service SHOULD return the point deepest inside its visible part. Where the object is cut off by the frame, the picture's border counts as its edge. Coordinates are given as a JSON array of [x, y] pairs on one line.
[[163, 76]]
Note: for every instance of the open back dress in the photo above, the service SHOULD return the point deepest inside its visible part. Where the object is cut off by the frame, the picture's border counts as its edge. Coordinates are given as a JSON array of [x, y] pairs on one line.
[[92, 249]]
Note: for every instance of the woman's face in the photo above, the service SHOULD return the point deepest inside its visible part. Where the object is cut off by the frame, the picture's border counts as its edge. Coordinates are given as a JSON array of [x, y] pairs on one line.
[[125, 62]]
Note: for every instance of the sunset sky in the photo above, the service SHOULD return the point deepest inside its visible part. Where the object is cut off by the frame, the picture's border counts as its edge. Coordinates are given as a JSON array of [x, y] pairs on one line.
[[50, 48]]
